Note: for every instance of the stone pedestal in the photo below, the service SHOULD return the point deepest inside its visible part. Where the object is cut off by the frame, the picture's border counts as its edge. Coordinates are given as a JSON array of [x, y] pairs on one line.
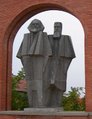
[[44, 113]]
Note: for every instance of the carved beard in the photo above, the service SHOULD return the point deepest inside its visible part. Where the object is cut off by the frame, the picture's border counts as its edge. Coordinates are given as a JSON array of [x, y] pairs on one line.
[[57, 35], [35, 30]]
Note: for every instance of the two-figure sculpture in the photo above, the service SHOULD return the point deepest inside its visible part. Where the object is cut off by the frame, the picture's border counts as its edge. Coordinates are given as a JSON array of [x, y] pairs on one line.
[[46, 59]]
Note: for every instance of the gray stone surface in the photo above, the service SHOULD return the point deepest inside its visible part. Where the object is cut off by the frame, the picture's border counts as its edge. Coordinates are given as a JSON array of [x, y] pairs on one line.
[[46, 59], [47, 111]]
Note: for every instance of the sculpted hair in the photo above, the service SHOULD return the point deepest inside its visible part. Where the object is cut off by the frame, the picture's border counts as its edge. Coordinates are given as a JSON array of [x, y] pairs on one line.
[[41, 27]]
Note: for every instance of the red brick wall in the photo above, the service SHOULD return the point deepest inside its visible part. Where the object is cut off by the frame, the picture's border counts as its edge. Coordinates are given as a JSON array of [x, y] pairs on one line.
[[42, 117], [13, 13]]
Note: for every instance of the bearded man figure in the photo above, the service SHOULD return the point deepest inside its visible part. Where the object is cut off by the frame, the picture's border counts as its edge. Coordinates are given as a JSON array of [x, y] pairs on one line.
[[55, 73], [34, 52]]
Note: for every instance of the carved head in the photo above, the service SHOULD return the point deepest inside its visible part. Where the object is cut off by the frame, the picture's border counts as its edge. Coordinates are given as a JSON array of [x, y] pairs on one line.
[[36, 26], [57, 29]]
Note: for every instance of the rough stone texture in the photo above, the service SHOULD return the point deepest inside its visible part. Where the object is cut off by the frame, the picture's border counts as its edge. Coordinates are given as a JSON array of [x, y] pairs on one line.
[[44, 115], [45, 111], [42, 111], [45, 61], [14, 13]]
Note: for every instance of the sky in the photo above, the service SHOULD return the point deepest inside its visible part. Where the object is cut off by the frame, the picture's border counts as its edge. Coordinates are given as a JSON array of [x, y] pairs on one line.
[[71, 26]]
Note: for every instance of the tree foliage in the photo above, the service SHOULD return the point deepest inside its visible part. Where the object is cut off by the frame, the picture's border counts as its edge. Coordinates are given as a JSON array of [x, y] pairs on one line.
[[19, 99], [73, 101]]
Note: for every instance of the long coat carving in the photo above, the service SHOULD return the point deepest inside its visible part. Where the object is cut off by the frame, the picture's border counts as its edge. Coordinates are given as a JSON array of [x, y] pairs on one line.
[[56, 68]]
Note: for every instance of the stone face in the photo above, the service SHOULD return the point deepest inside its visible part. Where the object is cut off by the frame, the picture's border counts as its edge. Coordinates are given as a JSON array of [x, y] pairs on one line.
[[14, 13], [46, 60]]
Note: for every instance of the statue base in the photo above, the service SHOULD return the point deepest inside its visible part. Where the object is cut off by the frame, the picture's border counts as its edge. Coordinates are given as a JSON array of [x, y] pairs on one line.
[[44, 113], [43, 110]]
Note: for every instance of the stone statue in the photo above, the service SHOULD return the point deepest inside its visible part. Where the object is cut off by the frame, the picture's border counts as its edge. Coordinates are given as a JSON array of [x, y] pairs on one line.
[[46, 59], [55, 73], [33, 53]]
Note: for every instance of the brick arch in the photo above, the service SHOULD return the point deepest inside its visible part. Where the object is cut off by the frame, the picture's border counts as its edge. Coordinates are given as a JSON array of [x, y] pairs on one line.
[[18, 14]]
